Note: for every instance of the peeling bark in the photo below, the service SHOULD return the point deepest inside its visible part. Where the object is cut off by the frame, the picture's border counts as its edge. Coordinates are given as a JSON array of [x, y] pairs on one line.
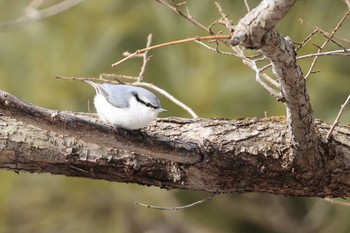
[[248, 155]]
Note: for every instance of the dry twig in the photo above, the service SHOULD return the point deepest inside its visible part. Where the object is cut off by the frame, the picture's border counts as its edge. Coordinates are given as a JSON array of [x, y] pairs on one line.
[[178, 207], [344, 52], [337, 202], [145, 59], [246, 5], [198, 38], [272, 91], [347, 2], [336, 121], [326, 42], [188, 17]]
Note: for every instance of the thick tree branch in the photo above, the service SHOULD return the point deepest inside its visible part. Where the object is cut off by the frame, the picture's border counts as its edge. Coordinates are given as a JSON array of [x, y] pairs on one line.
[[253, 26], [248, 155], [62, 123], [297, 101], [256, 30]]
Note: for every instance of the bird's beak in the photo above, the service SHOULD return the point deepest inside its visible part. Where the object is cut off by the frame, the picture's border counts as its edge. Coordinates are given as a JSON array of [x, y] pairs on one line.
[[161, 110]]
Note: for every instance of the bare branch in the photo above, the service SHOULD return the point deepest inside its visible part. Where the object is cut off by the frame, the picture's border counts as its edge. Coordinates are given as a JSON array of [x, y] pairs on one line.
[[347, 2], [228, 23], [170, 97], [178, 11], [145, 59], [272, 91], [326, 42], [337, 202], [216, 49], [178, 207], [329, 53], [333, 41], [317, 29], [307, 39], [198, 38], [36, 15], [246, 5], [345, 52]]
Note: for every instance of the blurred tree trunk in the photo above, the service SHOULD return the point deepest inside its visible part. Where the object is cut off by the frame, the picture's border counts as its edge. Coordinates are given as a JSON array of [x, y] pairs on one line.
[[248, 155]]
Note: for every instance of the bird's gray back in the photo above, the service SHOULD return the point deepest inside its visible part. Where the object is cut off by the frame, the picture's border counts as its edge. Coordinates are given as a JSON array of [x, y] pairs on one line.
[[119, 95]]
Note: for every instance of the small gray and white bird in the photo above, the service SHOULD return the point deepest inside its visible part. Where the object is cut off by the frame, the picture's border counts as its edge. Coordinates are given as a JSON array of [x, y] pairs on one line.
[[125, 106]]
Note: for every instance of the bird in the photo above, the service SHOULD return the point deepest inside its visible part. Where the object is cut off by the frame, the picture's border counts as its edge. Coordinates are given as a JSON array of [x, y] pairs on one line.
[[125, 106]]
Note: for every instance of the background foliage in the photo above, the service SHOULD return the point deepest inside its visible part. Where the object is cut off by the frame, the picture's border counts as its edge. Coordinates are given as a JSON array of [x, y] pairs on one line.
[[85, 41]]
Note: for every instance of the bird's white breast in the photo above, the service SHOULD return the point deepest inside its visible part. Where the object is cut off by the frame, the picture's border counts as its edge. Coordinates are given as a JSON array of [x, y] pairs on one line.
[[133, 117]]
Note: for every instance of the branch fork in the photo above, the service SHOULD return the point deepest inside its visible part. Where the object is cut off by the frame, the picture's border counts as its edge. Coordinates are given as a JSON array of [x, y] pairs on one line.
[[256, 30]]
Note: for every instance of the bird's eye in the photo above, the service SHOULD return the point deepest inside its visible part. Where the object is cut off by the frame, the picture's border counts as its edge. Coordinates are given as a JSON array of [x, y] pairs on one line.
[[147, 104]]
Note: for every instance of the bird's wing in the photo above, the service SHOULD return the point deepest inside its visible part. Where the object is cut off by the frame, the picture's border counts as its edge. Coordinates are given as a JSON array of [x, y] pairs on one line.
[[116, 95]]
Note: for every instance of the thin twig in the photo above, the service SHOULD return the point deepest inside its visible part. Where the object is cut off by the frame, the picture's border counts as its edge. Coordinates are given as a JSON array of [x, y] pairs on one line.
[[198, 38], [270, 80], [343, 52], [337, 202], [76, 78], [216, 49], [228, 23], [116, 77], [318, 29], [329, 53], [334, 42], [145, 59], [347, 2], [167, 95], [336, 121], [326, 42], [127, 57], [247, 5], [307, 39], [218, 21], [177, 207], [178, 11], [272, 91], [247, 62]]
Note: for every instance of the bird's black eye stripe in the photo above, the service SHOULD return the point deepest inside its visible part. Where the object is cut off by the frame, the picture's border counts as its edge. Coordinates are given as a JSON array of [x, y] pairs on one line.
[[143, 102]]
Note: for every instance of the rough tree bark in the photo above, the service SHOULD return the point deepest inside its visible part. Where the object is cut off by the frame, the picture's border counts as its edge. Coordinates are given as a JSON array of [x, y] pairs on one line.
[[229, 155], [281, 155], [256, 30]]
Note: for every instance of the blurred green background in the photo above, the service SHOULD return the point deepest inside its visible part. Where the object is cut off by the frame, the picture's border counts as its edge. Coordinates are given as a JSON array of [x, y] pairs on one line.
[[85, 41]]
